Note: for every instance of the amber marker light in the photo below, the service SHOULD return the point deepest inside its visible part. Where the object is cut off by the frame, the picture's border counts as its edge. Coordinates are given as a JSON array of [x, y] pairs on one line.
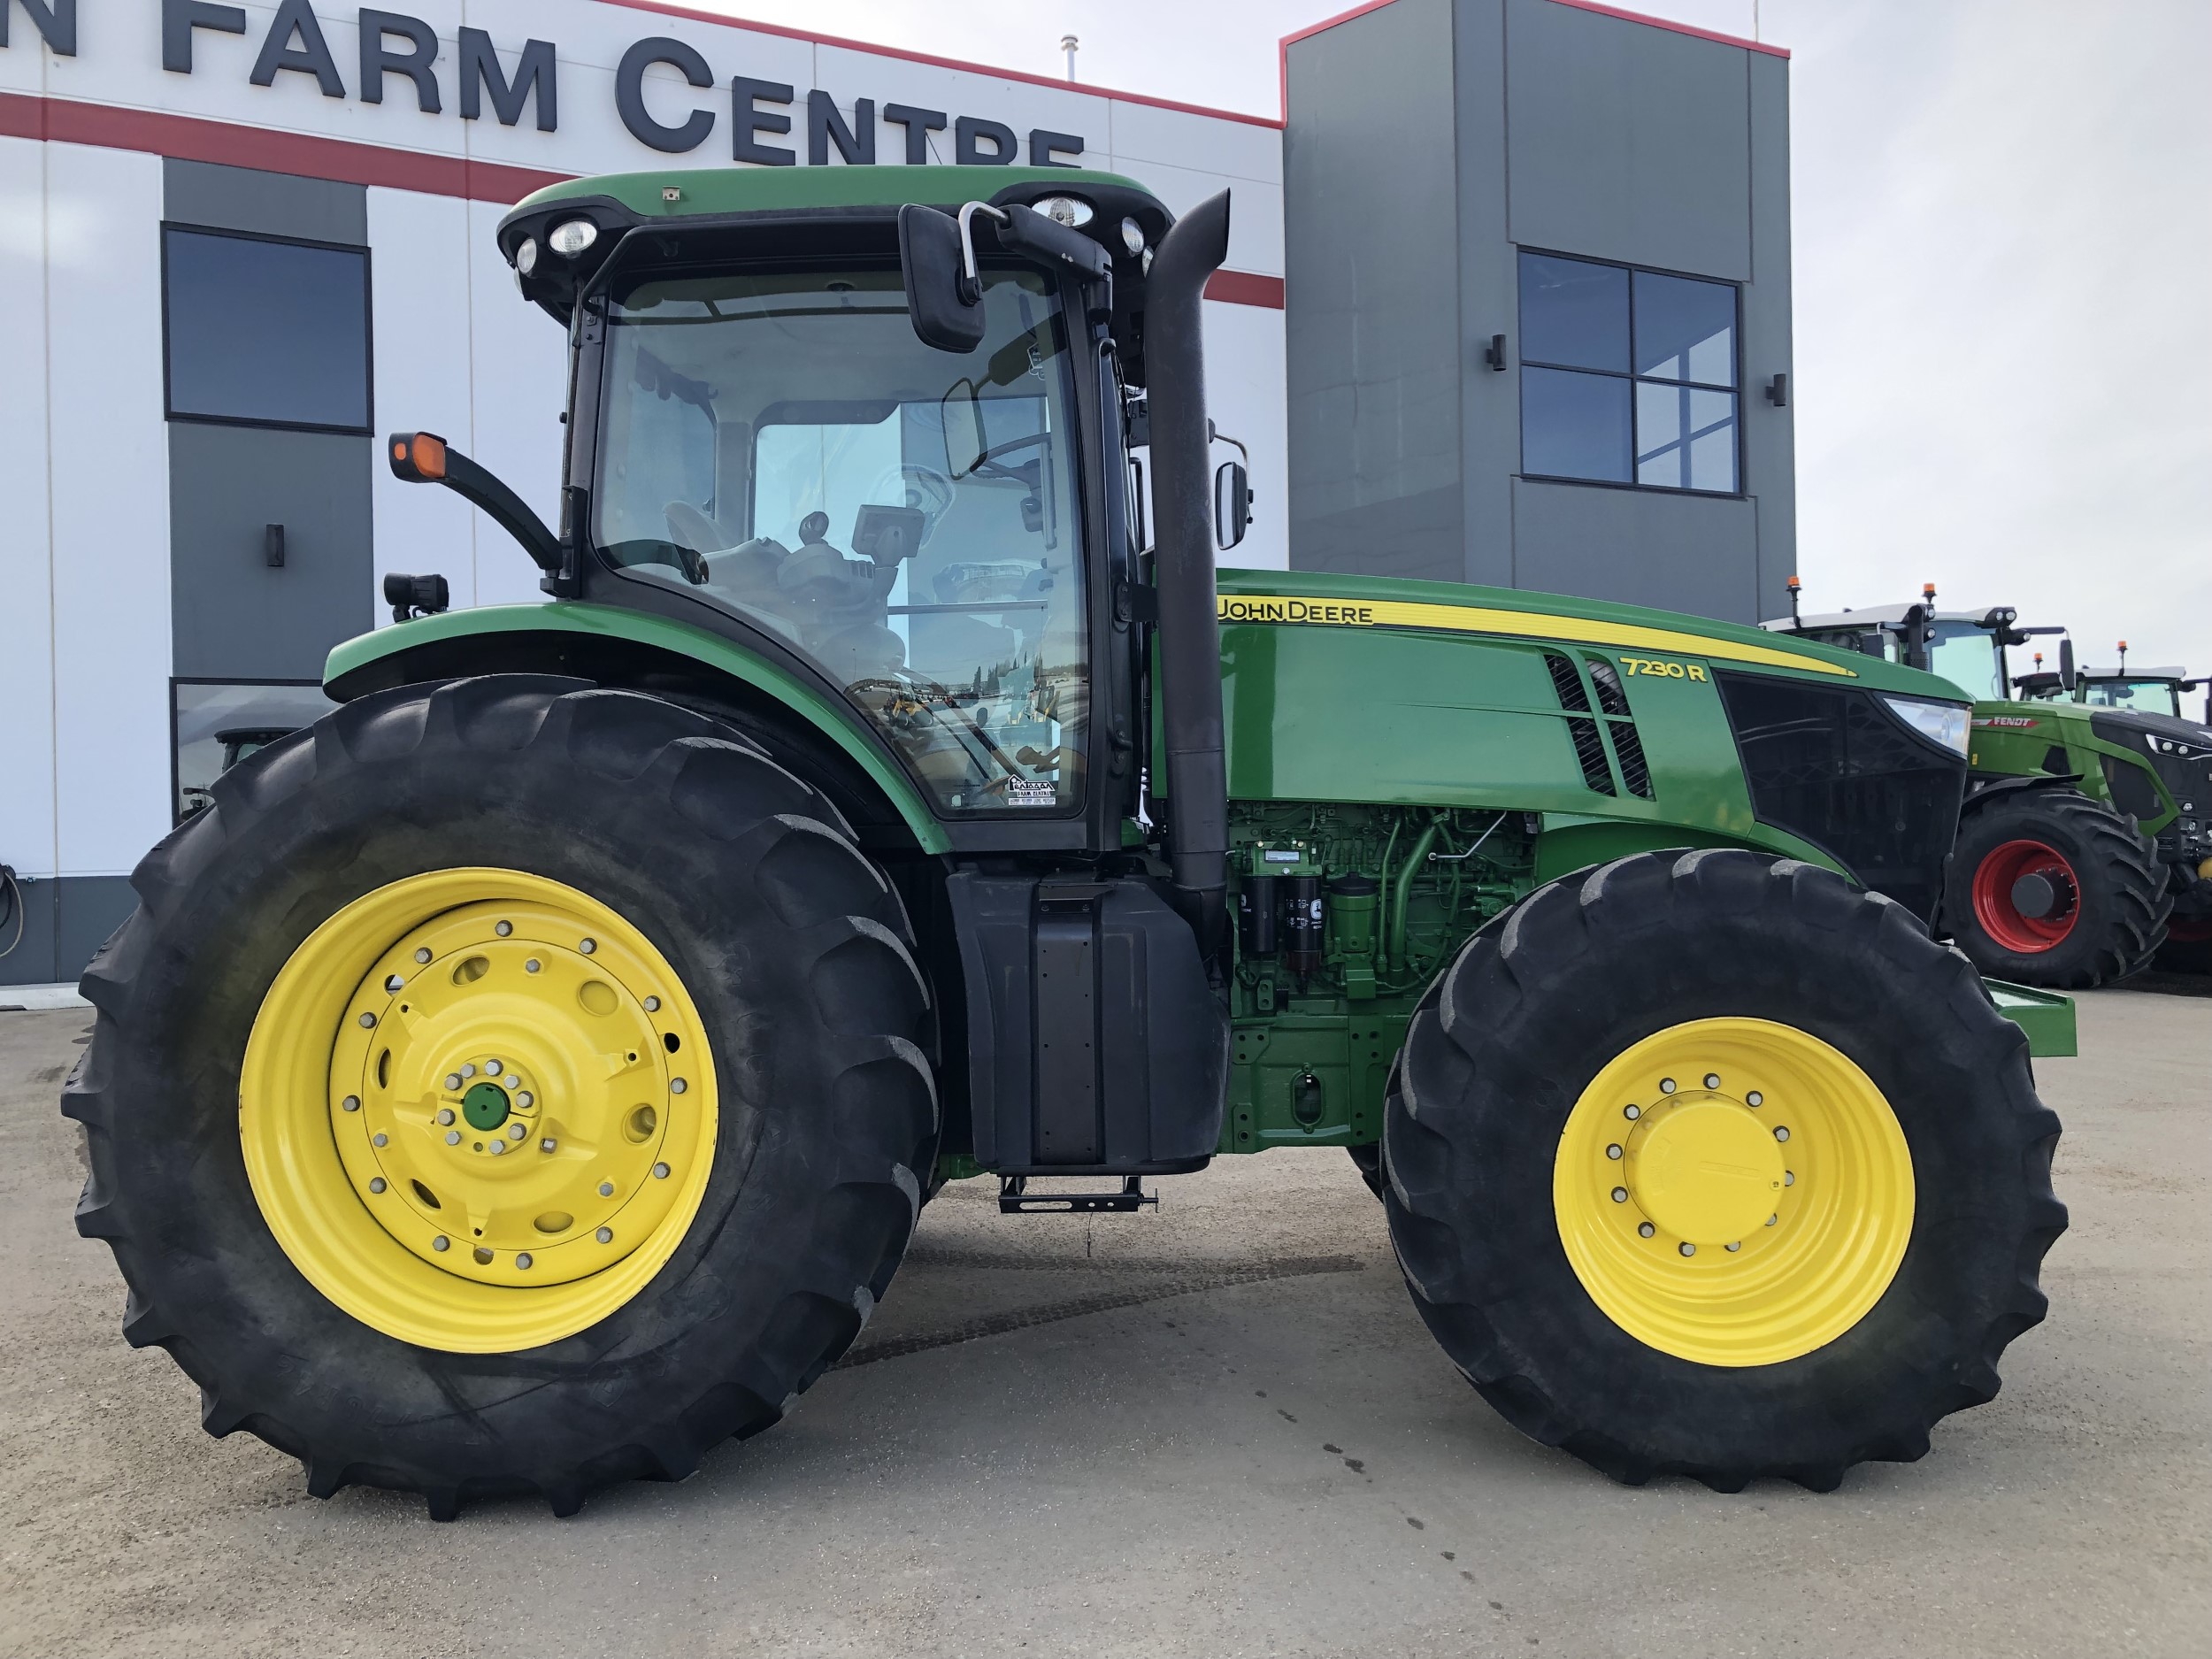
[[429, 455]]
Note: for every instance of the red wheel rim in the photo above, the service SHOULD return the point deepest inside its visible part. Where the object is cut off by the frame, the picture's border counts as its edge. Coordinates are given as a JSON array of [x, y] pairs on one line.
[[1998, 909]]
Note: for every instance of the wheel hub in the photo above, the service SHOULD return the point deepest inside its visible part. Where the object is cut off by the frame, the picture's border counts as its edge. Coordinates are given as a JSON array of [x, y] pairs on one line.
[[2026, 897], [1705, 1169]]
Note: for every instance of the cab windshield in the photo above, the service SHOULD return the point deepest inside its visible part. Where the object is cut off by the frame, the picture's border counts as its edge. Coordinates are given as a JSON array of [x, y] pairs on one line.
[[1966, 656], [780, 444], [2151, 696]]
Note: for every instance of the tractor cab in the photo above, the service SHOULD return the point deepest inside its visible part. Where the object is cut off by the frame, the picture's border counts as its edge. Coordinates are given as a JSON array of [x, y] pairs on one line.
[[2145, 690], [1966, 648]]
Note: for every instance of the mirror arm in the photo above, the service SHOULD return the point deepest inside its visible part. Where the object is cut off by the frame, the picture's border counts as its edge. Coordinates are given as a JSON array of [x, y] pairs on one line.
[[969, 275]]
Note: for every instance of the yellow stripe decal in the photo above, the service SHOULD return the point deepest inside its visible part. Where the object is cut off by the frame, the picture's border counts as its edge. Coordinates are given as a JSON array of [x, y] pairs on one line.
[[1364, 613]]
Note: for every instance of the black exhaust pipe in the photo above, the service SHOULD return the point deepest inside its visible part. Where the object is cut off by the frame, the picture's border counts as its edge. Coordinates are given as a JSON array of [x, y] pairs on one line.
[[1190, 631]]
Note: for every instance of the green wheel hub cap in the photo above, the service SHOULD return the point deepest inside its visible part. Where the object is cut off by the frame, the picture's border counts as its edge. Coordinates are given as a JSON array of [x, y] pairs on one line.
[[485, 1106]]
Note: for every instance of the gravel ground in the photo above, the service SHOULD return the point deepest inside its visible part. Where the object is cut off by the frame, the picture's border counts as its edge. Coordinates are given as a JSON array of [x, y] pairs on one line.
[[1215, 1429]]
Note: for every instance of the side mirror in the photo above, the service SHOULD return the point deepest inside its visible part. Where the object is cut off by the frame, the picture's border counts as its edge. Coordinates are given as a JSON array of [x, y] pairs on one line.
[[2066, 664], [962, 417], [945, 304], [1233, 504]]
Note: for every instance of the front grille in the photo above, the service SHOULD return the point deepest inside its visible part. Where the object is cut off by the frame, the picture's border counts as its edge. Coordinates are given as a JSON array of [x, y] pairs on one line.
[[1589, 746], [1831, 766]]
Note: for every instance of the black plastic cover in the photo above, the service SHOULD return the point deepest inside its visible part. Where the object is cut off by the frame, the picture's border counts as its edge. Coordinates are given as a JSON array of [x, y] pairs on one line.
[[1095, 1044], [1833, 766]]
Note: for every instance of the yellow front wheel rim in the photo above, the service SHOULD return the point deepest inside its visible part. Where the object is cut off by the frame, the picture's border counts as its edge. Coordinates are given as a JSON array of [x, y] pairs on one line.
[[478, 1109], [1733, 1192]]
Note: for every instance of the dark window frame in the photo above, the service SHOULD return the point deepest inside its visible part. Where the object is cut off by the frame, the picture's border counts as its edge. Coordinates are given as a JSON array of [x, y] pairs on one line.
[[368, 334], [176, 780], [1741, 492]]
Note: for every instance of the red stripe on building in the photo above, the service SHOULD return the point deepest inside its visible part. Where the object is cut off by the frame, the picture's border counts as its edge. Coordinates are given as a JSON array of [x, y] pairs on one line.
[[190, 138]]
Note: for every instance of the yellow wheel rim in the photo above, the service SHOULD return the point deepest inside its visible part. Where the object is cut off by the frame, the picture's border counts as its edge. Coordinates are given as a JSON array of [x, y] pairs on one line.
[[478, 1109], [1733, 1192]]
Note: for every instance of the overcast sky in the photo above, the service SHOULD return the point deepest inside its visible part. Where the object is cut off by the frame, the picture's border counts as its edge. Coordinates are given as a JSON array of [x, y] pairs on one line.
[[2003, 238]]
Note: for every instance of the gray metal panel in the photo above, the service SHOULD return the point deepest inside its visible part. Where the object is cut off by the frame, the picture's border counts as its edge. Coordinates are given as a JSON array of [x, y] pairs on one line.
[[1769, 433], [1371, 315], [1627, 141], [234, 617], [32, 961], [1489, 299], [66, 920], [1641, 547], [268, 203]]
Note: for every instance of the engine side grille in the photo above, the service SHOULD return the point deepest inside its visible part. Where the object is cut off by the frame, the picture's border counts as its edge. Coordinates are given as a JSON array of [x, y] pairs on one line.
[[1589, 746], [1628, 748], [1612, 697]]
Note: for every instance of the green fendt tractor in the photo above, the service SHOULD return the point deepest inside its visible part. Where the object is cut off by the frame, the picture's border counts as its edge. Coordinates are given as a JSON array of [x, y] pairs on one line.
[[2084, 847], [529, 1075]]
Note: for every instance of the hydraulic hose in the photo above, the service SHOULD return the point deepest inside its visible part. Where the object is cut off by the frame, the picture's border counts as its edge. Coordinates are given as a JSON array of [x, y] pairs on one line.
[[1190, 632]]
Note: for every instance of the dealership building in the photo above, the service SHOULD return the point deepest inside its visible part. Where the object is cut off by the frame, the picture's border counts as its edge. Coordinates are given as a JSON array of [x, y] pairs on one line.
[[1506, 301]]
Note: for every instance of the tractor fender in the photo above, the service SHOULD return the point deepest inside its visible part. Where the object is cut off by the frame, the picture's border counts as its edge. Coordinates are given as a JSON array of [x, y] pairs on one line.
[[1978, 791], [666, 658]]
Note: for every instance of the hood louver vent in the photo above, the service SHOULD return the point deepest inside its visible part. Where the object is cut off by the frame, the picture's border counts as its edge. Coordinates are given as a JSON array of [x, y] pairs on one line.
[[1627, 747], [1589, 746]]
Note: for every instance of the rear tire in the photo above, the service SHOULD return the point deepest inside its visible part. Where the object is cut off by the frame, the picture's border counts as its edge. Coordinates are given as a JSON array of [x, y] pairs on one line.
[[792, 948], [2108, 890], [1522, 1038]]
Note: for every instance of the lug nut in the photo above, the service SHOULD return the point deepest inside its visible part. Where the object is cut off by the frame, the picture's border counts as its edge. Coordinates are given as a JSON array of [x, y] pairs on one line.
[[376, 1183], [351, 1103], [606, 1235], [1781, 1132], [423, 955], [660, 1172], [498, 1148], [380, 1139], [491, 1068], [546, 1145], [453, 1080], [606, 1189], [676, 1085], [515, 1132], [522, 1260], [393, 982], [1712, 1079], [367, 1020], [469, 1070], [1754, 1099], [1620, 1195], [1789, 1178], [533, 965], [1737, 1246], [453, 1137], [1686, 1247], [1666, 1086], [442, 1243], [1644, 1230], [652, 1005], [504, 929], [1613, 1151], [445, 1114], [1631, 1112], [589, 945], [526, 1100], [1772, 1219]]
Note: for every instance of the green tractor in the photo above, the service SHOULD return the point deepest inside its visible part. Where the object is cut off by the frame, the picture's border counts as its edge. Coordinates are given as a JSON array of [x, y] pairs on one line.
[[529, 1075], [2084, 849]]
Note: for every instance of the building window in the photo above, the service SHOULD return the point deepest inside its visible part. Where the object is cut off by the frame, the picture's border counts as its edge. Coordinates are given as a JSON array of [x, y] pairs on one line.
[[1627, 377], [214, 724], [265, 331]]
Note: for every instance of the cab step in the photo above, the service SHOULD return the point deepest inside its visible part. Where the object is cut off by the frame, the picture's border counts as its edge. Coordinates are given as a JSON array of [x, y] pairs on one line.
[[1015, 1198]]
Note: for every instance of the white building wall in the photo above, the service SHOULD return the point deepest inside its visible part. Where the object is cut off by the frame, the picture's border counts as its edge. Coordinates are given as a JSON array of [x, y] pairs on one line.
[[27, 612]]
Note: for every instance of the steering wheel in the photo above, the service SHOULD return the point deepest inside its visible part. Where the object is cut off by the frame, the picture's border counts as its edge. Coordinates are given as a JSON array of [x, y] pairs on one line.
[[922, 487], [687, 525]]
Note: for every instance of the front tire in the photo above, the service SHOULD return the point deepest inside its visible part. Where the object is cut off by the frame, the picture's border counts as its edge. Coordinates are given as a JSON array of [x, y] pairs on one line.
[[2046, 887], [1577, 1156], [443, 914]]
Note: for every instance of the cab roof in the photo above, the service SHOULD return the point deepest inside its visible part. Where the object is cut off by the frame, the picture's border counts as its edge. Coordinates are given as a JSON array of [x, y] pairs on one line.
[[713, 191]]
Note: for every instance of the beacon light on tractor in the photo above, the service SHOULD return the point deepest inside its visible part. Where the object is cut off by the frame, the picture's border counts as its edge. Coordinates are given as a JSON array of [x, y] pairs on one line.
[[2084, 844], [529, 1075]]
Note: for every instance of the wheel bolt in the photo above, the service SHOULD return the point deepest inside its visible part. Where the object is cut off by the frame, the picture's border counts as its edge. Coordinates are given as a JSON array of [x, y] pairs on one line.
[[1781, 1132], [351, 1103], [442, 1243], [1620, 1195], [423, 955], [1631, 1112], [1644, 1230], [1712, 1079], [1735, 1247], [453, 1137], [498, 1148], [504, 929], [676, 1085], [660, 1172], [589, 945], [522, 1260], [533, 965], [546, 1145], [453, 1080], [1666, 1086], [606, 1235], [1789, 1178], [1754, 1099], [491, 1068], [393, 982], [515, 1132], [367, 1021], [652, 1005], [606, 1189], [445, 1114], [526, 1100], [1772, 1219], [376, 1183], [469, 1070], [1613, 1151], [380, 1139], [1686, 1247]]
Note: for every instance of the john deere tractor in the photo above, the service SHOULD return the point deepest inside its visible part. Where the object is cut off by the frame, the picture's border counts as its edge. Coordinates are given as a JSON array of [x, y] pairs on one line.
[[2085, 851], [529, 1075]]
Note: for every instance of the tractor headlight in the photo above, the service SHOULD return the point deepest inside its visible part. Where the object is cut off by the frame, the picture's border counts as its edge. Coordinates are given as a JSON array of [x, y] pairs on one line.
[[526, 255], [1942, 724], [571, 236], [1071, 211], [1132, 237]]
